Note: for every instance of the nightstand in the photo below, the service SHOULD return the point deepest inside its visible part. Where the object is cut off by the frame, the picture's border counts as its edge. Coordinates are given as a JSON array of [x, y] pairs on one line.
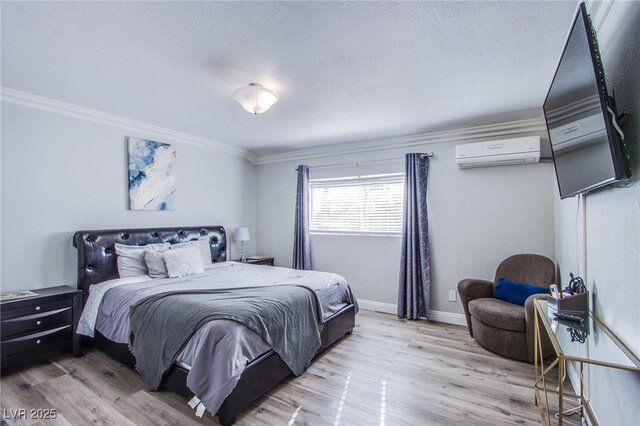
[[33, 326], [270, 261]]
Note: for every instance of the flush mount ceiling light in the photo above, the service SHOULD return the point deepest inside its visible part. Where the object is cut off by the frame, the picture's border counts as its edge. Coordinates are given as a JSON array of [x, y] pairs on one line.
[[254, 98]]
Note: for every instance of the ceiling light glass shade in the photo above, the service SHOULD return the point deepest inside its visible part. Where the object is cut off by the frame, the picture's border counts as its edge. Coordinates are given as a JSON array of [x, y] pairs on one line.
[[254, 98]]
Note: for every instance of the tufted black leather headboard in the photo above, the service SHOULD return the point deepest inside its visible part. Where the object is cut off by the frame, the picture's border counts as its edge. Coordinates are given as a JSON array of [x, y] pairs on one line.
[[97, 256]]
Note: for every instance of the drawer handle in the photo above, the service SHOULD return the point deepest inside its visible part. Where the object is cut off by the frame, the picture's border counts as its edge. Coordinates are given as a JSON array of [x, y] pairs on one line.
[[38, 322], [37, 308], [38, 342]]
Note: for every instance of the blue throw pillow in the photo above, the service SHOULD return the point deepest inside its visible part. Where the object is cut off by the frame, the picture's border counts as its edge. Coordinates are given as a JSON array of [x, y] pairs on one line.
[[515, 292]]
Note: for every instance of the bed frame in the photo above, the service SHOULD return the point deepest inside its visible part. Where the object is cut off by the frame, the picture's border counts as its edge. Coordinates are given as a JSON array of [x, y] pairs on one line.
[[97, 263]]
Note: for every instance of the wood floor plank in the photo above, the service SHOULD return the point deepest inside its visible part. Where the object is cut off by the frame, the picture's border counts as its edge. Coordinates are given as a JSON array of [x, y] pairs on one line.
[[388, 372], [137, 406], [38, 371], [103, 375], [18, 394], [60, 420], [79, 404]]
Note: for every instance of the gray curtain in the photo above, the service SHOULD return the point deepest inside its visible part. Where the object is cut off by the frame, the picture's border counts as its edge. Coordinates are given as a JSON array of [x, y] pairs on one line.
[[301, 244], [414, 283]]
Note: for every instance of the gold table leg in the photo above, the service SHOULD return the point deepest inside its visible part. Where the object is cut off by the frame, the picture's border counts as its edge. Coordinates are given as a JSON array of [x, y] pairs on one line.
[[560, 392], [538, 355]]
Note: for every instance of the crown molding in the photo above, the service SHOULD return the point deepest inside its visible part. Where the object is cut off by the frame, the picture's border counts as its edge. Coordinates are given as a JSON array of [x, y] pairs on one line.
[[58, 107], [492, 130], [487, 131]]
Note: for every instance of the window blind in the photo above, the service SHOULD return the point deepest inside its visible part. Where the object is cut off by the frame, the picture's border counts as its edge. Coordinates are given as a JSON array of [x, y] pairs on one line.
[[363, 205]]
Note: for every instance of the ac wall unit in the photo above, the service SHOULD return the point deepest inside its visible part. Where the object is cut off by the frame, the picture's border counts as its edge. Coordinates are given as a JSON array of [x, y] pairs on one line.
[[499, 153]]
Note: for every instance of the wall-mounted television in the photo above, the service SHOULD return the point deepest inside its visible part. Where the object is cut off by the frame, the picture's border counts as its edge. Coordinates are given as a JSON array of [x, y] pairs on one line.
[[587, 143]]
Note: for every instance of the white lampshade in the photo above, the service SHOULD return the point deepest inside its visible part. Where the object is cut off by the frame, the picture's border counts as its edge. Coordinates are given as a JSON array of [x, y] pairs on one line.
[[254, 98], [241, 234]]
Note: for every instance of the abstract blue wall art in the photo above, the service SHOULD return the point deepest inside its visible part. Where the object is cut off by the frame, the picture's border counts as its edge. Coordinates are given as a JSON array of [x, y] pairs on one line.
[[152, 175]]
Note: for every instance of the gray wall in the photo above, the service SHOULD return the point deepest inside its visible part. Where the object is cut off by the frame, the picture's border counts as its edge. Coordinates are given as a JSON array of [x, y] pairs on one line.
[[477, 218], [612, 226], [61, 174]]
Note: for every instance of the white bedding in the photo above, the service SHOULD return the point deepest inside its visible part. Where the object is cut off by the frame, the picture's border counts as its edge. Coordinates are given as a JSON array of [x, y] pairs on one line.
[[217, 353]]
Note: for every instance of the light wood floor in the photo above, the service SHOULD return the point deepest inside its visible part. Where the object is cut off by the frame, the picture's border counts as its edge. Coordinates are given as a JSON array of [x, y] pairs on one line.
[[388, 372]]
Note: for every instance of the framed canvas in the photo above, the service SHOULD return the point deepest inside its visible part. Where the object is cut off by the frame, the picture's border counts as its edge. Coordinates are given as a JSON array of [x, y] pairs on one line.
[[152, 175]]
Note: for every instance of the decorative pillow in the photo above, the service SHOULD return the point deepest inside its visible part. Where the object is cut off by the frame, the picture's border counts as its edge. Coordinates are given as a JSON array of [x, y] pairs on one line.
[[156, 263], [183, 261], [515, 292], [202, 244], [131, 258]]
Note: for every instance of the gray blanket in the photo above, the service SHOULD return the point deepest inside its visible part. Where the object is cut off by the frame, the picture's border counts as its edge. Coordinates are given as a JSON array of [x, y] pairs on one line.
[[287, 317]]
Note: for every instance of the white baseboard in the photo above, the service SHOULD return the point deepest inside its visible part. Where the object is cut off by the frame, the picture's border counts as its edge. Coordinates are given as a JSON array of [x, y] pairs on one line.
[[370, 305], [448, 317], [390, 308]]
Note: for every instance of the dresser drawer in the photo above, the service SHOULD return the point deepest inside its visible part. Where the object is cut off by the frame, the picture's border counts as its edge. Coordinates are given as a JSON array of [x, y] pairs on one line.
[[36, 322], [36, 308], [37, 341], [42, 323]]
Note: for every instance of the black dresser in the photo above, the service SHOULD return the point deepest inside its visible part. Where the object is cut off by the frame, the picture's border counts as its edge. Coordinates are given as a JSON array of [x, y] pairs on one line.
[[33, 326]]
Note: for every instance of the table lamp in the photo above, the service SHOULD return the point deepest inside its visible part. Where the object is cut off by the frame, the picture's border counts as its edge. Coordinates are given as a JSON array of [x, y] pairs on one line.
[[242, 235]]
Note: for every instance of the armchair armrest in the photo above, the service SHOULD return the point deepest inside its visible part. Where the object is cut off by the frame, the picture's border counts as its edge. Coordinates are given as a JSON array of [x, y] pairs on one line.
[[529, 317], [470, 289], [528, 307]]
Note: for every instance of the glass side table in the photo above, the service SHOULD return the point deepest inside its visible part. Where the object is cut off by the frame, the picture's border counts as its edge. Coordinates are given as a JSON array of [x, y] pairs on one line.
[[589, 342]]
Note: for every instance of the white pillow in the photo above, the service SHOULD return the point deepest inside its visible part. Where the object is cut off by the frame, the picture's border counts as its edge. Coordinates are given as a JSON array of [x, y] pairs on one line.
[[131, 258], [155, 263], [202, 244], [183, 261]]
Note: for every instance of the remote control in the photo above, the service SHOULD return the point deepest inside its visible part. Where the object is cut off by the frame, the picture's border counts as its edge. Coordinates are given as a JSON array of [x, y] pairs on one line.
[[569, 317]]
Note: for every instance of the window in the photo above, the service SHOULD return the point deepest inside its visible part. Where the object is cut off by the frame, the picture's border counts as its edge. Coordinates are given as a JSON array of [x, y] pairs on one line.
[[357, 205]]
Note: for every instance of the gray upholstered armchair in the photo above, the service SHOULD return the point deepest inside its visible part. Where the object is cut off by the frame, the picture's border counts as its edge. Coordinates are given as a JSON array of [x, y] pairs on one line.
[[502, 327]]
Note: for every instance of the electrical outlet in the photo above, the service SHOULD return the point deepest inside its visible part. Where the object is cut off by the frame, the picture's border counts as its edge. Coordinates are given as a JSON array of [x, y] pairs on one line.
[[452, 296]]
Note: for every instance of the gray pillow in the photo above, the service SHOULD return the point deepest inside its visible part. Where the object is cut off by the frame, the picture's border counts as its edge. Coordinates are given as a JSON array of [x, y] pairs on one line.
[[155, 263], [131, 258], [183, 261]]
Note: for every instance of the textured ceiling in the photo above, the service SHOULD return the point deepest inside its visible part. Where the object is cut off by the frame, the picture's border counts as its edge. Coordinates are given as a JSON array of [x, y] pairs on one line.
[[345, 71]]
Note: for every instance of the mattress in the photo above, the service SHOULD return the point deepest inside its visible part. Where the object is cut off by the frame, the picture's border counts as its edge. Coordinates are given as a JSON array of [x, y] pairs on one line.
[[218, 352]]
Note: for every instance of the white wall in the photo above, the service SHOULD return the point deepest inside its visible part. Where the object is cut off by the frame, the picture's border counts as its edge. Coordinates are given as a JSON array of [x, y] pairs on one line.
[[477, 218], [61, 174], [612, 223]]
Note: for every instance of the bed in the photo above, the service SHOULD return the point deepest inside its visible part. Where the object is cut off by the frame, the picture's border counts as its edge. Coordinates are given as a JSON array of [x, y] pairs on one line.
[[97, 264]]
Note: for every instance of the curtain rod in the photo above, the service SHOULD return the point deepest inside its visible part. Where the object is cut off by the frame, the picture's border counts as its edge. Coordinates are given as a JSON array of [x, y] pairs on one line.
[[426, 154]]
